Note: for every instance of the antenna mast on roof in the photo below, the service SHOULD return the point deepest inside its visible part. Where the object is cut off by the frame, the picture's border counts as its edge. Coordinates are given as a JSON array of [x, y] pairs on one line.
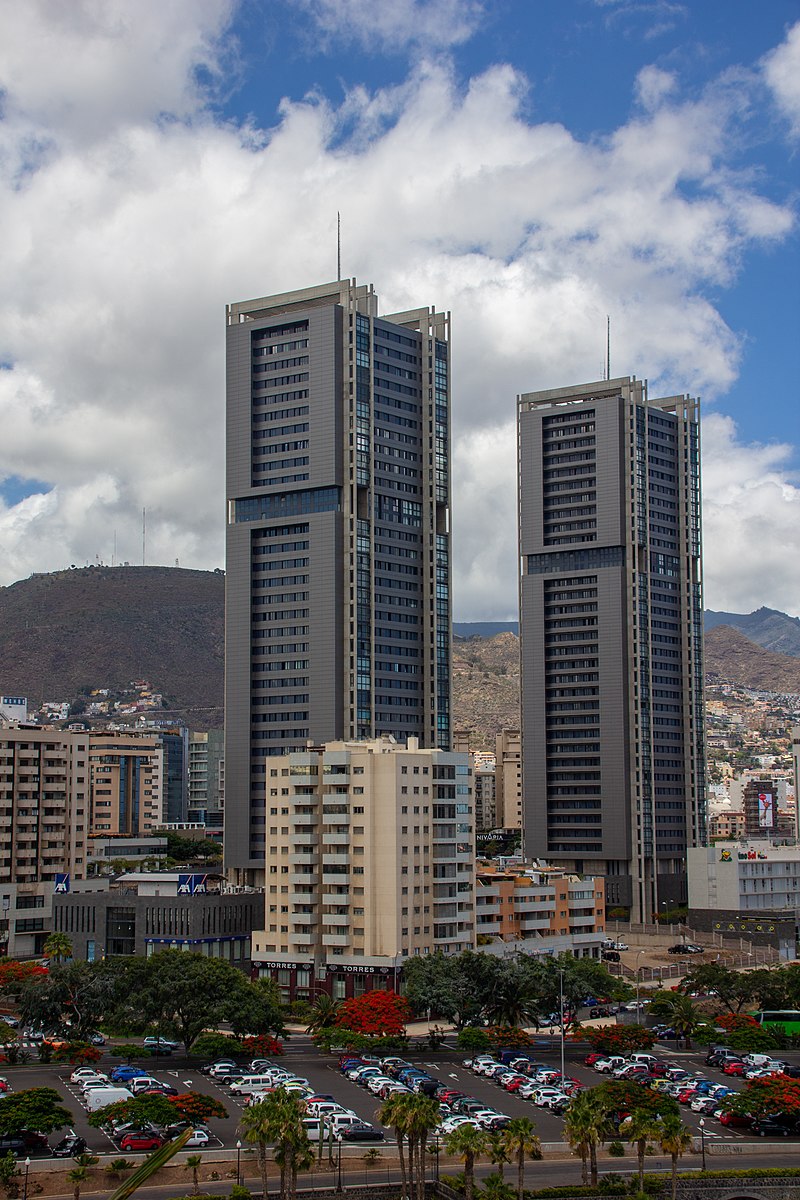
[[338, 247], [608, 347], [144, 533]]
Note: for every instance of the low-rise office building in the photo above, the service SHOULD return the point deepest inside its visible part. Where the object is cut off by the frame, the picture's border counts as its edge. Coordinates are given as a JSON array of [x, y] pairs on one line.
[[145, 913], [747, 889]]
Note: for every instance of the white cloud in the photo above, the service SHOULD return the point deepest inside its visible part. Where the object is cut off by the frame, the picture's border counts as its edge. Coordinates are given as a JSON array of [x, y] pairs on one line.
[[391, 27], [782, 72], [751, 510], [126, 233], [653, 85]]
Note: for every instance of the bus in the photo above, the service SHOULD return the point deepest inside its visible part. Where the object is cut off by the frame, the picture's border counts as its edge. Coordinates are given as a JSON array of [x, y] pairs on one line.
[[786, 1019]]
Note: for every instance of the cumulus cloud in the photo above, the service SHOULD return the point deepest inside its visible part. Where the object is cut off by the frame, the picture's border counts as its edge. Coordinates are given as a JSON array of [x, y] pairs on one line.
[[751, 511], [782, 73], [432, 24], [131, 216], [653, 85]]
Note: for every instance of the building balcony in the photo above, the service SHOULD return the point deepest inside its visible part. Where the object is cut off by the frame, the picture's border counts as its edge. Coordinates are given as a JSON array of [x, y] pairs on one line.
[[311, 878], [336, 939], [310, 856], [335, 918], [336, 860], [335, 839], [301, 818], [303, 918], [340, 879], [331, 818], [303, 939], [305, 839]]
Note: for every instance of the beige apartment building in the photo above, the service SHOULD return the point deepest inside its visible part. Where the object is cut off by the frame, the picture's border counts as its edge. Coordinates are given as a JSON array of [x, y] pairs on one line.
[[369, 862], [508, 779], [63, 795]]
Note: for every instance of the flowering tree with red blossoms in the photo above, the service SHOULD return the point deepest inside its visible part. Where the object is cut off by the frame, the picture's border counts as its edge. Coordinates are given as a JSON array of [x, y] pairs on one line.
[[762, 1097], [378, 1013]]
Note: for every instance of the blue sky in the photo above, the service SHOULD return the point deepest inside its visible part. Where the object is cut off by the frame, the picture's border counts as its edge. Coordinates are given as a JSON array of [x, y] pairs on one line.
[[530, 166]]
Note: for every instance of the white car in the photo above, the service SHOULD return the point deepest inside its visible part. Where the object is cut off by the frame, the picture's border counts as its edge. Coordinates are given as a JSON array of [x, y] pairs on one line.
[[339, 1121], [451, 1123], [376, 1082], [545, 1094], [87, 1075], [200, 1137], [604, 1066]]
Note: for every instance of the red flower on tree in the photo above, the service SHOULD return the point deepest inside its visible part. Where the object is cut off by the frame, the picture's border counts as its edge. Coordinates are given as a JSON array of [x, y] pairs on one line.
[[734, 1022], [377, 1013], [263, 1046], [194, 1106]]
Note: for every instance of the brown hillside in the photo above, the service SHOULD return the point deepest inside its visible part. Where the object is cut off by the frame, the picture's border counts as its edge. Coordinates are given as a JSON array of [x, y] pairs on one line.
[[104, 626], [732, 657], [486, 687]]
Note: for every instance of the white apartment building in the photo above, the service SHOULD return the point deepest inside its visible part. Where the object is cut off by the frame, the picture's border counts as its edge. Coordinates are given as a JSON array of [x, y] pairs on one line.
[[369, 861]]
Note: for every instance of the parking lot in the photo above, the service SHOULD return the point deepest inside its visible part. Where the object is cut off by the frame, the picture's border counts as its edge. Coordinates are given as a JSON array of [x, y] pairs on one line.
[[324, 1076]]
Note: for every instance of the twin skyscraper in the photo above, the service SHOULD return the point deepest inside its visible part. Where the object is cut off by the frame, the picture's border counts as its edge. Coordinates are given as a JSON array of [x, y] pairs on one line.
[[339, 582]]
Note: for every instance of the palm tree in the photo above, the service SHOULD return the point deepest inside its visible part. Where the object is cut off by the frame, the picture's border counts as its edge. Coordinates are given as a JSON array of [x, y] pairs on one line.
[[495, 1188], [393, 1113], [675, 1138], [497, 1151], [680, 1011], [421, 1118], [76, 1177], [58, 946], [584, 1125], [323, 1013], [467, 1143], [640, 1128], [521, 1140], [193, 1162], [257, 1128]]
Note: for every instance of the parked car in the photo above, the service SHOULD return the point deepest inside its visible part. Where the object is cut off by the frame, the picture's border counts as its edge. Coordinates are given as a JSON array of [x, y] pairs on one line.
[[777, 1125], [140, 1141], [161, 1045], [125, 1074], [361, 1132], [611, 955], [70, 1146]]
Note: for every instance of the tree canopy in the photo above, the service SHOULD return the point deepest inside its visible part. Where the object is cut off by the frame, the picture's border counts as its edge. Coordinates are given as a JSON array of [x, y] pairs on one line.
[[39, 1109]]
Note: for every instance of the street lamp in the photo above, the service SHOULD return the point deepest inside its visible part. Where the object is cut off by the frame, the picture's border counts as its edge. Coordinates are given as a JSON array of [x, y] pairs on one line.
[[703, 1141], [639, 953], [25, 1184], [238, 1163], [339, 1169], [561, 1014], [435, 1148]]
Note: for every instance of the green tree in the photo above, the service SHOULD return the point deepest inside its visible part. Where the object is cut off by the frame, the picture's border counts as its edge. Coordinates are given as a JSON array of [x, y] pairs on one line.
[[496, 1188], [393, 1113], [257, 1128], [584, 1129], [58, 946], [193, 1163], [734, 989], [640, 1128], [77, 1176], [421, 1118], [521, 1142], [323, 1013], [39, 1109], [467, 1143], [186, 993], [9, 1170], [674, 1139], [73, 998], [254, 1008], [497, 1151], [515, 998], [680, 1012], [216, 1045]]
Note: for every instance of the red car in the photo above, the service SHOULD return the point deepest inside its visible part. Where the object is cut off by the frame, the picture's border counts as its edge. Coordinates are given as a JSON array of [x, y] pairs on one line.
[[735, 1119], [513, 1084], [658, 1070], [592, 1058], [686, 1096], [734, 1068], [140, 1141]]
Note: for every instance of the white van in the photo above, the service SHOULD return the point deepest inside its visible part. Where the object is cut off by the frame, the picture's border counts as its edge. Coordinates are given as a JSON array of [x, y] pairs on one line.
[[247, 1084], [99, 1098]]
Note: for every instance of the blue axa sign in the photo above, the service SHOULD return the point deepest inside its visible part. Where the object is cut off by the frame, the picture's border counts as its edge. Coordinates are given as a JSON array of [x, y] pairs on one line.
[[192, 885]]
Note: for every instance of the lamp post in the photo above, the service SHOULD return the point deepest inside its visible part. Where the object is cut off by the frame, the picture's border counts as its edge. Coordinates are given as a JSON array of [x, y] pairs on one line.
[[339, 1169], [435, 1149], [239, 1163], [639, 953], [703, 1142], [25, 1184], [561, 1013]]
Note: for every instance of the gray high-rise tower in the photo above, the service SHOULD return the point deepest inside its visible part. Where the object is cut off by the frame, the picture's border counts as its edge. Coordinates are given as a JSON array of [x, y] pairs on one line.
[[338, 611], [611, 620]]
